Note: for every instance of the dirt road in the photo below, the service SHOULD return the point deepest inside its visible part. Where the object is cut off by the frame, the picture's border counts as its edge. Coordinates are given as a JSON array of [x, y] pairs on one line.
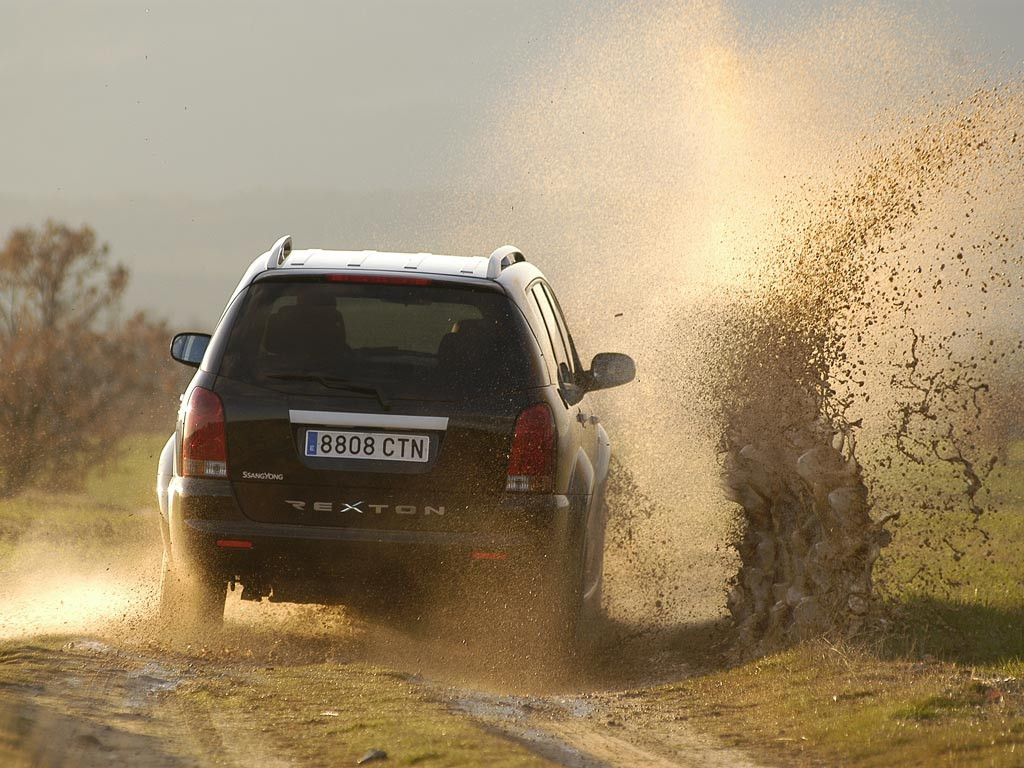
[[290, 688]]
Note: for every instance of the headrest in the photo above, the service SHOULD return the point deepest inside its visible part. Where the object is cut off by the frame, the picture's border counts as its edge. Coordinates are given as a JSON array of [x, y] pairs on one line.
[[304, 330]]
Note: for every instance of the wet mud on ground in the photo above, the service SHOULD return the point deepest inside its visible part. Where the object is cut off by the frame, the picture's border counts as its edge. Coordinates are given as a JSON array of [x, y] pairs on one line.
[[315, 687]]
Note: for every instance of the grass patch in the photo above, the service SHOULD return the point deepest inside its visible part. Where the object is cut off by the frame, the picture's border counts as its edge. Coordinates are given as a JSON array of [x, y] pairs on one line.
[[961, 632], [130, 480], [931, 708], [115, 506], [952, 586], [824, 705]]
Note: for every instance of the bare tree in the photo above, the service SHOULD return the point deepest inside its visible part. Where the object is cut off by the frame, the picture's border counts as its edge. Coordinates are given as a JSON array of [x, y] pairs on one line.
[[75, 375]]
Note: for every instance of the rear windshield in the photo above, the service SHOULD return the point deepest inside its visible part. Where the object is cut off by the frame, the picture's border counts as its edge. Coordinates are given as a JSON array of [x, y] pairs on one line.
[[426, 342]]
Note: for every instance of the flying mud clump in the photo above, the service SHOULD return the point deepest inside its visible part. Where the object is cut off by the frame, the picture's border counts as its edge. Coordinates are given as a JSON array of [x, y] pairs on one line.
[[856, 361]]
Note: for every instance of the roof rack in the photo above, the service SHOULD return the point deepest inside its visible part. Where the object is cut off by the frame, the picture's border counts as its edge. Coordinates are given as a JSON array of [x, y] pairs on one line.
[[502, 258], [279, 252]]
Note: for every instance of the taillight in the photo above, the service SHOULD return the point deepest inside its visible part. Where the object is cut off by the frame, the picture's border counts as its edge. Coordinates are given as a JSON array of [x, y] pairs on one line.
[[531, 462], [204, 451]]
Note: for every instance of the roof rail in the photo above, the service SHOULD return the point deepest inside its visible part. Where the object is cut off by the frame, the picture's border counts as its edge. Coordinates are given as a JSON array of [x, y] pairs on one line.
[[279, 252], [502, 258]]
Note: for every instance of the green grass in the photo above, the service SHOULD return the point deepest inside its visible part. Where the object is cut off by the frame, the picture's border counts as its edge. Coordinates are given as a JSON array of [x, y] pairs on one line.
[[953, 585], [825, 705], [115, 505], [130, 481]]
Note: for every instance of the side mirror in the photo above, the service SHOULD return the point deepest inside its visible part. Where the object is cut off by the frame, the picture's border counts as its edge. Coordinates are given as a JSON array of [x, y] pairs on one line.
[[189, 348], [611, 369]]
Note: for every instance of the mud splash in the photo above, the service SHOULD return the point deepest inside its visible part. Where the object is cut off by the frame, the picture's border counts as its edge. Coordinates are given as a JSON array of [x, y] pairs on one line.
[[810, 240], [850, 327]]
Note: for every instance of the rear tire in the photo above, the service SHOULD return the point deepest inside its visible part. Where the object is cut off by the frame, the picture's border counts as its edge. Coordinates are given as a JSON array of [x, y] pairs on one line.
[[190, 597]]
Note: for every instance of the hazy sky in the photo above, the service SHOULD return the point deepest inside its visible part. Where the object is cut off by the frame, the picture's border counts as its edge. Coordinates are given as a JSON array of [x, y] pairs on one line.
[[108, 97], [133, 115], [186, 96]]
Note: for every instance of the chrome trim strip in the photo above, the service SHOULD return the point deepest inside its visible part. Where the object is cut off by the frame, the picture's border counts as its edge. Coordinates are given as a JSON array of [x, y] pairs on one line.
[[381, 420]]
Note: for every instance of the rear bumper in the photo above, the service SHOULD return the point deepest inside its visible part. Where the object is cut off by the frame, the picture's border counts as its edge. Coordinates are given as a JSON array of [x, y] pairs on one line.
[[207, 526]]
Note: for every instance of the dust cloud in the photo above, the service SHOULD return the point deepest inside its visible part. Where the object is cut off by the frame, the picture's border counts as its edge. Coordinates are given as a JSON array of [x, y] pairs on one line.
[[60, 587]]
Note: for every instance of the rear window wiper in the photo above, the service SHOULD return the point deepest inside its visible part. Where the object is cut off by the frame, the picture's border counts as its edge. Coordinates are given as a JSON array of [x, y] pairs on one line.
[[333, 382]]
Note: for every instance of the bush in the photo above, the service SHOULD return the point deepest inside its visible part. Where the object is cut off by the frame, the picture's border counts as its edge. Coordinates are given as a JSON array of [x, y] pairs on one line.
[[77, 377]]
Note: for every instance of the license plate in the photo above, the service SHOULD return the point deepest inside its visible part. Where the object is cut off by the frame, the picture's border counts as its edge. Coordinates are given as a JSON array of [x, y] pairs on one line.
[[379, 446]]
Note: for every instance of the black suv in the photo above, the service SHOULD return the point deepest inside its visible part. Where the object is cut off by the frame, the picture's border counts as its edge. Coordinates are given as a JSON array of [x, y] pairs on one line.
[[365, 417]]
